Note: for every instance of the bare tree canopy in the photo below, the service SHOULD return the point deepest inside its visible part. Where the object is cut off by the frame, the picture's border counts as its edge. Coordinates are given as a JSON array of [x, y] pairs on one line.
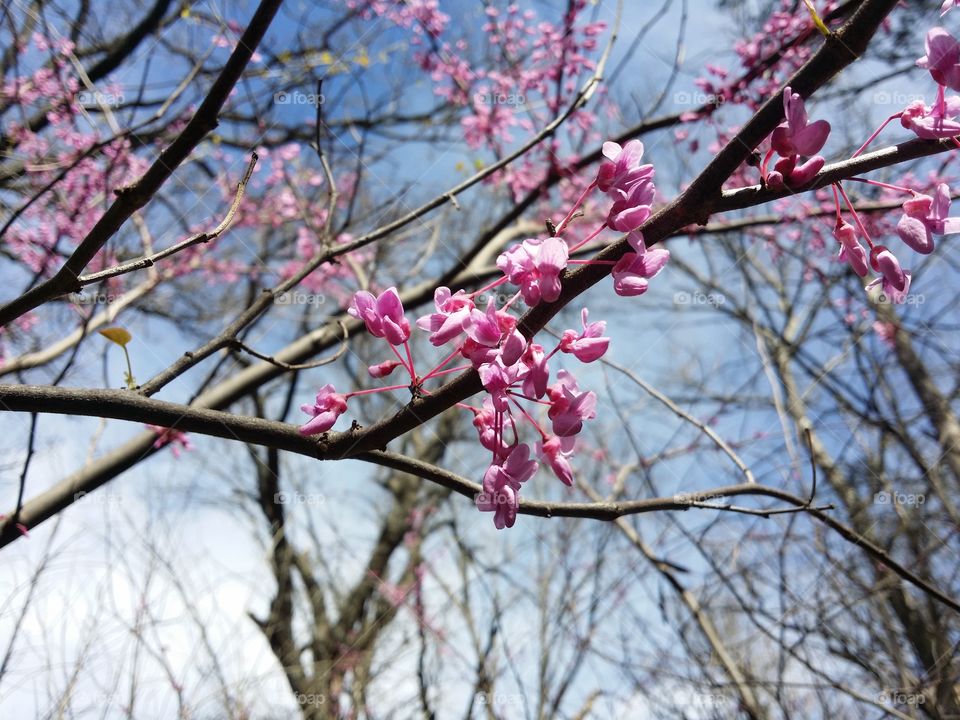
[[428, 359]]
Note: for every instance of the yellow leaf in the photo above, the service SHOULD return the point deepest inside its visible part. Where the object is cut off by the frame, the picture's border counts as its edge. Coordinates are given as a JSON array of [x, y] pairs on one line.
[[478, 164], [815, 16], [117, 334]]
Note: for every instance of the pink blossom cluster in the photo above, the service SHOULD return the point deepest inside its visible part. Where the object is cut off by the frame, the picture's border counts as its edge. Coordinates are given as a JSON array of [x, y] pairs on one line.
[[924, 215], [777, 50], [58, 220], [515, 371], [545, 64], [176, 439], [793, 140], [422, 17]]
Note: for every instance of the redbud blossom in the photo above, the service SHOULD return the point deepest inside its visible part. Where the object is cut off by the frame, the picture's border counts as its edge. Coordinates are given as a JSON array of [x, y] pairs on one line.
[[535, 266], [485, 421], [925, 216], [501, 485], [850, 248], [942, 58], [484, 327], [631, 209], [622, 169], [177, 439], [795, 136], [556, 451], [633, 271], [383, 315], [570, 406], [588, 345], [933, 122], [451, 317], [535, 381], [894, 281], [383, 369], [329, 406]]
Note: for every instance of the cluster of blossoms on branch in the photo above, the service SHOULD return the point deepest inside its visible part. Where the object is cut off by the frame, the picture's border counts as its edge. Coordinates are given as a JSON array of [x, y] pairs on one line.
[[778, 50], [515, 371], [924, 216]]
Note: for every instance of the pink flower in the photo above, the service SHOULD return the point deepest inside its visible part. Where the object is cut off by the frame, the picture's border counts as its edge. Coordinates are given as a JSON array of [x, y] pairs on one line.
[[947, 6], [850, 248], [538, 374], [535, 266], [925, 216], [497, 377], [556, 452], [484, 327], [512, 348], [795, 136], [383, 369], [942, 58], [890, 293], [501, 486], [485, 421], [383, 315], [887, 332], [569, 406], [633, 271], [786, 171], [171, 436], [933, 123], [631, 209], [329, 406], [588, 345], [504, 503], [451, 317], [894, 280], [622, 169]]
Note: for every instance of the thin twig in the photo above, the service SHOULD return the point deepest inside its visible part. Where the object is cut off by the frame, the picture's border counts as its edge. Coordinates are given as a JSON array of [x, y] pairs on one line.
[[204, 237], [301, 366]]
